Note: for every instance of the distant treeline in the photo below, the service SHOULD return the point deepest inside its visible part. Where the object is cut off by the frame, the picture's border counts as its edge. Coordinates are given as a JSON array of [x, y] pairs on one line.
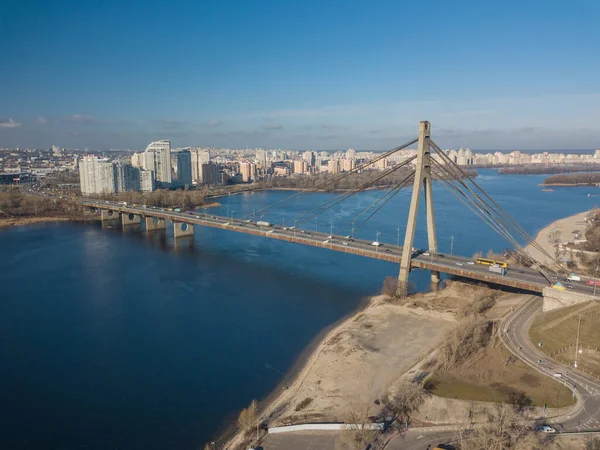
[[537, 169], [574, 179], [14, 203], [352, 181], [164, 198]]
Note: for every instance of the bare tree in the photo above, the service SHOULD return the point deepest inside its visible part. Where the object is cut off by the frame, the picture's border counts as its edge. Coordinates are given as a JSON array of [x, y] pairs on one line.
[[460, 342], [248, 416], [401, 403], [361, 432], [592, 443], [504, 430]]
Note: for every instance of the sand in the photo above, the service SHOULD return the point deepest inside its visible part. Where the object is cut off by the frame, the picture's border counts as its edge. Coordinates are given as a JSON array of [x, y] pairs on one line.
[[358, 361], [565, 227]]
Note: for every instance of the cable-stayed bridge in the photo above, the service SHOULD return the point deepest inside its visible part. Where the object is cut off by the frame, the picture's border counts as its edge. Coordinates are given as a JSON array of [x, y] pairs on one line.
[[430, 164]]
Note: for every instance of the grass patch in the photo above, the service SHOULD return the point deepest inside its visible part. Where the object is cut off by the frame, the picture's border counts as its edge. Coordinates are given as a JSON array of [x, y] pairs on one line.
[[557, 331], [492, 375]]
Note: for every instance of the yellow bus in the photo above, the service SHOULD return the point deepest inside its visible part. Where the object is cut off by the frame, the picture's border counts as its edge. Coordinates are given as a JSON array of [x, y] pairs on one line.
[[491, 262]]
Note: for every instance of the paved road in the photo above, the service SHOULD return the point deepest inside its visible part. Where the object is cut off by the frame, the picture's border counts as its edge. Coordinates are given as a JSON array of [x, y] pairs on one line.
[[392, 253], [516, 334]]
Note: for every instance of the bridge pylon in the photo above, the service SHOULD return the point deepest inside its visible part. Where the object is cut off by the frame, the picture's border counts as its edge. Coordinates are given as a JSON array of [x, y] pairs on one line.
[[423, 180]]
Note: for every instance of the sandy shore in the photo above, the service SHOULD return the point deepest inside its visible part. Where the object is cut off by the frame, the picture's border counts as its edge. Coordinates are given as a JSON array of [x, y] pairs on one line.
[[363, 358], [563, 226]]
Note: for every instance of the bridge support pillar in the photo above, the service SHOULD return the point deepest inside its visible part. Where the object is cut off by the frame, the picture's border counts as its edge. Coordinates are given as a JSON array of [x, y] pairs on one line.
[[181, 229], [130, 219], [155, 223], [109, 217], [422, 180]]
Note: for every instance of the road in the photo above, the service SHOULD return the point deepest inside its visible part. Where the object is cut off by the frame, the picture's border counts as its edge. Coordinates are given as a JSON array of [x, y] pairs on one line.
[[515, 331], [524, 278]]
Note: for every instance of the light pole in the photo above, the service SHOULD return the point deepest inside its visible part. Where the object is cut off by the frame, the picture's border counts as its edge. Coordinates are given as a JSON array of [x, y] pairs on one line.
[[398, 236], [283, 221], [253, 213], [331, 231], [577, 343], [227, 209], [377, 241], [451, 245], [261, 220], [352, 234], [317, 224], [295, 220]]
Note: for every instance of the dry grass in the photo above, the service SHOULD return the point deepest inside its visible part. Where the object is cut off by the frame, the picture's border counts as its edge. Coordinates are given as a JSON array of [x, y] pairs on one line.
[[557, 331], [493, 375]]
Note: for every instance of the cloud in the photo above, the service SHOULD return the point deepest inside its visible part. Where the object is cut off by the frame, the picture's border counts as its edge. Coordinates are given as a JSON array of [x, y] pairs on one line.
[[214, 123], [272, 126], [9, 123], [82, 118], [41, 120], [173, 124]]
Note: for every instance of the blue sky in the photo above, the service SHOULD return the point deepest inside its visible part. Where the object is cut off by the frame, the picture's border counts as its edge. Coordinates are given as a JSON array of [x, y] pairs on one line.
[[299, 74]]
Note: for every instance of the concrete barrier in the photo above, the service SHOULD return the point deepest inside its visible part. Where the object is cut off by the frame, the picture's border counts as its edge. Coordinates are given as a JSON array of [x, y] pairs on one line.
[[555, 298], [325, 427]]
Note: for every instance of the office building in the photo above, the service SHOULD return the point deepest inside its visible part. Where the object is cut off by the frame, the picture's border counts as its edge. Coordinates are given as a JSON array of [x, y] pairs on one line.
[[210, 174], [248, 171], [199, 157]]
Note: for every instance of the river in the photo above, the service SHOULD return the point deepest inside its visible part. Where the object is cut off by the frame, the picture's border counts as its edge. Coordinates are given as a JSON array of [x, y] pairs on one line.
[[129, 340]]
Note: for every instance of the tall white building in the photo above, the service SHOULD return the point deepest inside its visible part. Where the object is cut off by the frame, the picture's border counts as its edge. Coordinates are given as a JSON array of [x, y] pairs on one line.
[[96, 176], [199, 158], [137, 160], [157, 158]]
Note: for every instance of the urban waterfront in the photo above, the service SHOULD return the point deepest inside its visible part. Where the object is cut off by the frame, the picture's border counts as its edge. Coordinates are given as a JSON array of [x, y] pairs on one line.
[[126, 340]]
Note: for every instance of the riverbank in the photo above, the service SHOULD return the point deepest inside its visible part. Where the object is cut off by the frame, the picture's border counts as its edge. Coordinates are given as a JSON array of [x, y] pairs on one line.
[[562, 230], [359, 361], [20, 221]]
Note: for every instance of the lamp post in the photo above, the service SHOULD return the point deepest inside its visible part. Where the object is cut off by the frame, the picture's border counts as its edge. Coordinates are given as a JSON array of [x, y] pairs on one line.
[[283, 221], [331, 230], [451, 245], [352, 234], [377, 241], [398, 236], [295, 220], [317, 224], [253, 213]]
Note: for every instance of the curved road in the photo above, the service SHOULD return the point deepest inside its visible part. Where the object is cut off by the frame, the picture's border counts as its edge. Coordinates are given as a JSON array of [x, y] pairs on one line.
[[515, 333]]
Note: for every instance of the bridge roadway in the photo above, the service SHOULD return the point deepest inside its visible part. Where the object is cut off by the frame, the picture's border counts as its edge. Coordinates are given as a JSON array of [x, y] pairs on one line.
[[521, 278]]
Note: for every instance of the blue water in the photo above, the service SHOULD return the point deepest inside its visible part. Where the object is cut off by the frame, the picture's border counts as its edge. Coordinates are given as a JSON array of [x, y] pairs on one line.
[[130, 340]]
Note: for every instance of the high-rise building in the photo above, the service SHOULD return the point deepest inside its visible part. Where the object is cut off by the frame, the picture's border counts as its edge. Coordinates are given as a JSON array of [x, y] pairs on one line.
[[199, 157], [146, 180], [261, 157], [210, 174], [248, 171], [300, 166], [333, 166], [348, 164], [127, 178], [382, 164], [309, 157], [96, 176], [350, 153], [157, 158], [137, 160], [184, 167]]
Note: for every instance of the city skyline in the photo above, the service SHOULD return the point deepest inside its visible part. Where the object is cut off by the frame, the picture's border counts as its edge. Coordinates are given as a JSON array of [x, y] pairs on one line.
[[318, 75]]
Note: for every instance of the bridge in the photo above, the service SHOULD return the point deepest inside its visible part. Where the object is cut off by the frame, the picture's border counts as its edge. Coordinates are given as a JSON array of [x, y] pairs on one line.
[[534, 278]]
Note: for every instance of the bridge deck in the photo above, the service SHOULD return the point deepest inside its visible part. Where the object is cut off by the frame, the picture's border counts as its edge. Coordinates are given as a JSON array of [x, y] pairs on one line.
[[520, 278]]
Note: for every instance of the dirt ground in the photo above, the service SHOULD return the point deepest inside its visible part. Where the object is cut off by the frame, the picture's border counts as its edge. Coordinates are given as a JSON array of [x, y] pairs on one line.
[[17, 221], [358, 362]]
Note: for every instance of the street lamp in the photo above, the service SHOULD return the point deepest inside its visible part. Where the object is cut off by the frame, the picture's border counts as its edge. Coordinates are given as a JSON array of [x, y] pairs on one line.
[[283, 221], [451, 245], [331, 231], [253, 213], [377, 241], [295, 220], [352, 234], [398, 236], [317, 224]]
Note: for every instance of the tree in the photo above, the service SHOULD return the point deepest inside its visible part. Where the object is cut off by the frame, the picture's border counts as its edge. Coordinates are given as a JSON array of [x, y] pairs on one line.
[[400, 404], [504, 429], [361, 433], [248, 416]]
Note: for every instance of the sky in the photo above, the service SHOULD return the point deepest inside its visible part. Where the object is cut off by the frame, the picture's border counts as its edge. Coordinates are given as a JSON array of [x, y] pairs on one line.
[[318, 74]]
